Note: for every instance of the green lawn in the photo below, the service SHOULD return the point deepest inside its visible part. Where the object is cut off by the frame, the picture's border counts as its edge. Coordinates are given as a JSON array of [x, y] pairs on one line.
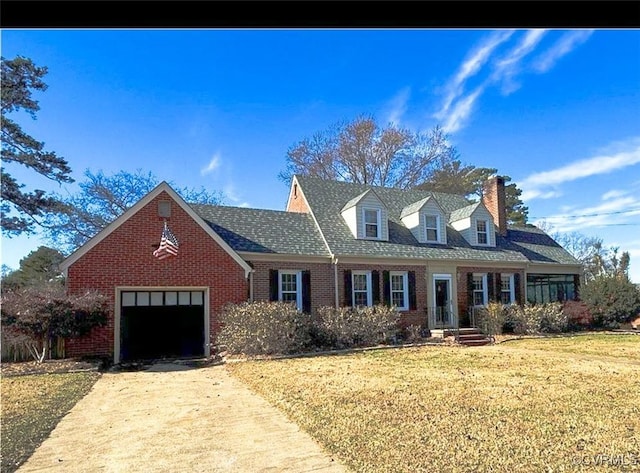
[[536, 405], [32, 406]]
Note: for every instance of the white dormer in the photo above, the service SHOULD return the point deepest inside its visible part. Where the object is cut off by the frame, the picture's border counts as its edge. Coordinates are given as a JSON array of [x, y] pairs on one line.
[[426, 220], [475, 224], [367, 217]]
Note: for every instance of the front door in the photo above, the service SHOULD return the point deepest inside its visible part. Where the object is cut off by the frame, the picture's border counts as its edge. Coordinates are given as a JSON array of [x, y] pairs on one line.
[[442, 288]]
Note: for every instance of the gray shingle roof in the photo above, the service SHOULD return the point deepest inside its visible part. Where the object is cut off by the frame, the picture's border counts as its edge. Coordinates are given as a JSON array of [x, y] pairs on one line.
[[413, 208], [264, 231], [327, 198], [464, 212]]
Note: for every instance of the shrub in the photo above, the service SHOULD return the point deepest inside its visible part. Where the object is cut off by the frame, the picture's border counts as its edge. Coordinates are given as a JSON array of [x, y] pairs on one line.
[[491, 319], [413, 333], [35, 315], [578, 314], [349, 327], [530, 319], [612, 300], [257, 328]]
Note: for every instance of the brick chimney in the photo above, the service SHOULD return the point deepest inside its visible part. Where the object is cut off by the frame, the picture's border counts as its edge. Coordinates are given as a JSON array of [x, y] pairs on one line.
[[493, 197]]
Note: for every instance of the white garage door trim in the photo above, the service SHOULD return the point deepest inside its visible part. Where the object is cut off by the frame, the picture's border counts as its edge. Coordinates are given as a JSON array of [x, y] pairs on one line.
[[117, 311]]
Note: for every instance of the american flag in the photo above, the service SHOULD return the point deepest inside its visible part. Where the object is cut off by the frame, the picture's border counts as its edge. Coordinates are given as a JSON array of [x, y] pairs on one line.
[[168, 244]]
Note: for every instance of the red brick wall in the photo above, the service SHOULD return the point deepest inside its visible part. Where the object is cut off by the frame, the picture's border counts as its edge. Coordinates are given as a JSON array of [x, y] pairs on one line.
[[408, 317], [297, 202], [124, 258], [322, 286]]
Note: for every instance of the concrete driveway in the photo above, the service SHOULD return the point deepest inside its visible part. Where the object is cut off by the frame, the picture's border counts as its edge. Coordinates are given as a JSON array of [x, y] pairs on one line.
[[171, 418]]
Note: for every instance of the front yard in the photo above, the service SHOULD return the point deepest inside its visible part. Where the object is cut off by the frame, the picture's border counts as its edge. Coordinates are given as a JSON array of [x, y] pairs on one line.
[[32, 405], [553, 404]]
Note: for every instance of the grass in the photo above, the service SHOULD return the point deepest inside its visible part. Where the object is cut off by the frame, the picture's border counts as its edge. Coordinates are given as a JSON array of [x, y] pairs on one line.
[[524, 406], [32, 406]]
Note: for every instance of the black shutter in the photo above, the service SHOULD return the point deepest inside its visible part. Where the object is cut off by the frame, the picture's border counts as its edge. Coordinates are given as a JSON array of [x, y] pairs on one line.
[[576, 287], [273, 285], [375, 287], [306, 292], [386, 287], [491, 295], [517, 288], [411, 276], [348, 299], [470, 289]]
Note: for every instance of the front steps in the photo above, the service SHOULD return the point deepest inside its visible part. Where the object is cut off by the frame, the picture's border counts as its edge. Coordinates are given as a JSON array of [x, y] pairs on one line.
[[472, 337]]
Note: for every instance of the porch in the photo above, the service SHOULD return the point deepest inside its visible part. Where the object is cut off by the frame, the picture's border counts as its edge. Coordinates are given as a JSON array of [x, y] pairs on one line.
[[444, 322]]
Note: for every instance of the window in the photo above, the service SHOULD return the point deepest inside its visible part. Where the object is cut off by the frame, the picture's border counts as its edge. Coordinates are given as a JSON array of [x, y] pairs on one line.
[[479, 289], [432, 227], [507, 289], [481, 228], [371, 223], [361, 288], [290, 287], [543, 288], [399, 289]]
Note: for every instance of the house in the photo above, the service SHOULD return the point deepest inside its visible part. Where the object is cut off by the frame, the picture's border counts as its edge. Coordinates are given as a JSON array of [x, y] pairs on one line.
[[435, 256]]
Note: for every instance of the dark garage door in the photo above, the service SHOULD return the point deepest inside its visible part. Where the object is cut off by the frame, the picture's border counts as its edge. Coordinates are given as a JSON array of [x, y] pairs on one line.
[[161, 324]]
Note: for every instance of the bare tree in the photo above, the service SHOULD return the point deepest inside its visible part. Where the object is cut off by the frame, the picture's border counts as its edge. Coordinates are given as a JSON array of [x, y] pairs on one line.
[[361, 151]]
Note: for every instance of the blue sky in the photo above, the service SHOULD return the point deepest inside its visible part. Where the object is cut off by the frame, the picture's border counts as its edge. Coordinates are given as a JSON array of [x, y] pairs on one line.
[[557, 110]]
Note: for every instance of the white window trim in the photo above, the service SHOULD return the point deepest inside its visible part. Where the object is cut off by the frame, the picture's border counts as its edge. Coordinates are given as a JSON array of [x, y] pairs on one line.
[[437, 229], [512, 289], [298, 275], [364, 223], [405, 288], [485, 294], [369, 289], [486, 232]]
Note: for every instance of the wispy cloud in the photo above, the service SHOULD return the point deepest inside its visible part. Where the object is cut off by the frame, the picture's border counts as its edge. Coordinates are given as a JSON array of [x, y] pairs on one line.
[[470, 67], [397, 106], [458, 116], [496, 66], [536, 184], [567, 43], [213, 165], [509, 66], [230, 191], [613, 194], [613, 211]]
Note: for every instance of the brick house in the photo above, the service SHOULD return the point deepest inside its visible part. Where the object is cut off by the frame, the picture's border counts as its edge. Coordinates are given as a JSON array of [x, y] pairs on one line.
[[433, 255]]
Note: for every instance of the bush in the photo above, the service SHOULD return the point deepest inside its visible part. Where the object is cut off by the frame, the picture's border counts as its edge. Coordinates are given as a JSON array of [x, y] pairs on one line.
[[350, 327], [262, 328], [578, 315], [491, 319], [530, 319], [612, 300]]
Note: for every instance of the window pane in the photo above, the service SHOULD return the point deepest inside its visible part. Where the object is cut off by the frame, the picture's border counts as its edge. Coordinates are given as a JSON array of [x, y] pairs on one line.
[[397, 282], [371, 231], [128, 299], [156, 298], [360, 298], [397, 299], [482, 238], [431, 221], [432, 234], [143, 298], [171, 298], [289, 297], [477, 283], [288, 282], [478, 298], [359, 282], [184, 298], [371, 216], [197, 298]]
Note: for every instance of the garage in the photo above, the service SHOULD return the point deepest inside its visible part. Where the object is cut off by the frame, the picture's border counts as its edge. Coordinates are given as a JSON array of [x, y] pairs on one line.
[[161, 324]]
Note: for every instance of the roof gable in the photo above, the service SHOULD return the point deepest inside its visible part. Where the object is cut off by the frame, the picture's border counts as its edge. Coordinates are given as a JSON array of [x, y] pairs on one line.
[[144, 201]]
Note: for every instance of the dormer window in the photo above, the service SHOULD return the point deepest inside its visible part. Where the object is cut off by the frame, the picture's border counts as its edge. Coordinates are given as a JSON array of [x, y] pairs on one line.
[[481, 229], [371, 223], [432, 228]]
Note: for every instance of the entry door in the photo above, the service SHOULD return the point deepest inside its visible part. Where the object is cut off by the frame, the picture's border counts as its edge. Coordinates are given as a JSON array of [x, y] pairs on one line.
[[442, 288]]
